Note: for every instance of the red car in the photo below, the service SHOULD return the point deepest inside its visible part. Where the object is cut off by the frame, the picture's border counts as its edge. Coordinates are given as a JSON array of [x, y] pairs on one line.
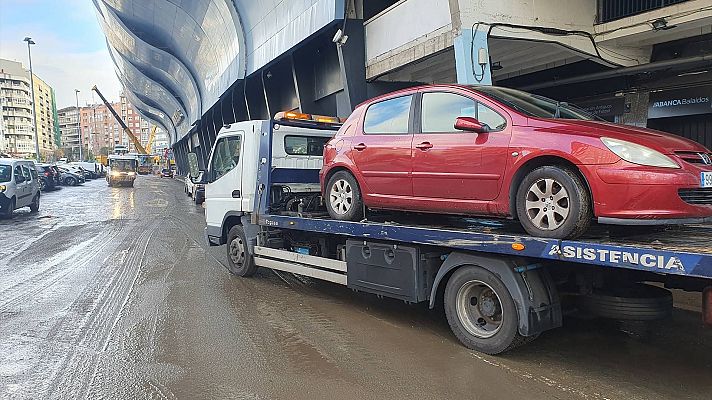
[[491, 151]]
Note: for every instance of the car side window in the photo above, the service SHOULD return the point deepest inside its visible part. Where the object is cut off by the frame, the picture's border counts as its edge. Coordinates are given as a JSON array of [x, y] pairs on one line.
[[441, 109], [388, 117], [18, 174], [33, 172], [226, 155], [26, 173], [491, 118]]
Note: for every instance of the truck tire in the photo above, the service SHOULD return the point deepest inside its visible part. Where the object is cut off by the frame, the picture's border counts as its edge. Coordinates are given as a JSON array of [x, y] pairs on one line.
[[240, 261], [553, 202], [638, 302], [343, 197], [481, 312]]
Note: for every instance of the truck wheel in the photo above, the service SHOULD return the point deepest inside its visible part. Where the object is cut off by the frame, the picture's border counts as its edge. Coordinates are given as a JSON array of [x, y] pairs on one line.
[[553, 202], [343, 197], [35, 205], [637, 302], [240, 261], [481, 312]]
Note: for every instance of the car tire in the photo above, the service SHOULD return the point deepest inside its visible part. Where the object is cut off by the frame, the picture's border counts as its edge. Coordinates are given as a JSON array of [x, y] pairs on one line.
[[343, 197], [70, 181], [481, 312], [553, 202], [35, 205], [7, 213], [240, 261]]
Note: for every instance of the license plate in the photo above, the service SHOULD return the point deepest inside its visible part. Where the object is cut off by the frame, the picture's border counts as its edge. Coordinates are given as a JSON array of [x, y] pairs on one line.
[[706, 180]]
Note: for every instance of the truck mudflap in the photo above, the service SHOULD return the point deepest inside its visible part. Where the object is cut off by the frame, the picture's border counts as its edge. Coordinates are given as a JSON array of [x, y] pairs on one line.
[[530, 286]]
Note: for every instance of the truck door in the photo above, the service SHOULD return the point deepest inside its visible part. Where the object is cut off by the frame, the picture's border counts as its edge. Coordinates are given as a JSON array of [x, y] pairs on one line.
[[223, 192]]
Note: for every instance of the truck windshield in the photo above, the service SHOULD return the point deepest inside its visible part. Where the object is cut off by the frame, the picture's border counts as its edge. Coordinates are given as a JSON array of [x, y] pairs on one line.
[[534, 105], [5, 173], [122, 165]]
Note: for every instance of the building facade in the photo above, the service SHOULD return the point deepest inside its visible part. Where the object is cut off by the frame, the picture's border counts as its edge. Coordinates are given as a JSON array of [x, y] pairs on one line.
[[17, 137], [67, 118], [629, 61]]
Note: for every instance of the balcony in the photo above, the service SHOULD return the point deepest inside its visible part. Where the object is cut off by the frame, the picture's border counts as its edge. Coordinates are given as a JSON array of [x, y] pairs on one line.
[[611, 10]]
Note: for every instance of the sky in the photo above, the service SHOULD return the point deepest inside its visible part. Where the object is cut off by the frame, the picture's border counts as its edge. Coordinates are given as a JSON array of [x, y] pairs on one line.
[[71, 49]]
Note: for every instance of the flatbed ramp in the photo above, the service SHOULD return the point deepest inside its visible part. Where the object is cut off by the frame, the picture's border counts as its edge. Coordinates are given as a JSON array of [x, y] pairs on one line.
[[685, 251]]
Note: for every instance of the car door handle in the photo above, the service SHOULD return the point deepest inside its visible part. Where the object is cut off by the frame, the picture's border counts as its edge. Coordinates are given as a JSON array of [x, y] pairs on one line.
[[360, 147], [424, 146]]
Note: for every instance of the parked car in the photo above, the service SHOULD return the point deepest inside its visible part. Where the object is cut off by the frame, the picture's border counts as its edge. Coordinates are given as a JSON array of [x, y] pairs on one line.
[[19, 186], [69, 178], [47, 176], [166, 173], [195, 188], [76, 169], [491, 151], [91, 167]]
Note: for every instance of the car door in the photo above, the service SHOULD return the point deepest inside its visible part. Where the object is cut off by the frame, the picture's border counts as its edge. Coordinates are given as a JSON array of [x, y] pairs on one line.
[[21, 187], [382, 149], [223, 193], [454, 170]]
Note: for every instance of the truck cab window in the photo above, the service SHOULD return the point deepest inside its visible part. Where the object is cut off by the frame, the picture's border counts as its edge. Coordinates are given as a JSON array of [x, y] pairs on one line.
[[226, 155]]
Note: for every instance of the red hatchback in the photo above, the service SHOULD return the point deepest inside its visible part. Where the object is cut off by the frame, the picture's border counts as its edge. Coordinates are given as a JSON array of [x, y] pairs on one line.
[[490, 151]]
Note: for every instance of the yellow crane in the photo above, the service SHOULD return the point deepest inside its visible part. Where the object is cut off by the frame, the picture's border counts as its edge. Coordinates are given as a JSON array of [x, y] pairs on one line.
[[134, 139], [151, 137]]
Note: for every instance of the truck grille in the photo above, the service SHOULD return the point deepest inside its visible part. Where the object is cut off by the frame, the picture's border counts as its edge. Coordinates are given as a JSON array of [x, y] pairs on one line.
[[694, 157], [701, 196]]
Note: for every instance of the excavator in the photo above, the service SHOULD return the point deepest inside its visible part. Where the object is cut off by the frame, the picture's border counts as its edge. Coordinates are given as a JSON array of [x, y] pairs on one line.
[[144, 164]]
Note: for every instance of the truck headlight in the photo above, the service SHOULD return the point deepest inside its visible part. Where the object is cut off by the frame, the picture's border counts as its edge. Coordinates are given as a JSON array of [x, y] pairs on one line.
[[114, 173], [637, 154], [132, 173]]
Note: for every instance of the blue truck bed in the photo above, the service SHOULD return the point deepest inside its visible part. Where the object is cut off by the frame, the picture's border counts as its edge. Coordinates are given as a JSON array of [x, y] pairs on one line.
[[685, 251]]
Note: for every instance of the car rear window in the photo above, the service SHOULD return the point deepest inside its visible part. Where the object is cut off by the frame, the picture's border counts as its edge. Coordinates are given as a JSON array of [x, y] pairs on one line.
[[305, 145], [388, 117]]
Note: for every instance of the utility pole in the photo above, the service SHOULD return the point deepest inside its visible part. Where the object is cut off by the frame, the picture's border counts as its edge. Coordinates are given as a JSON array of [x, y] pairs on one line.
[[32, 88], [79, 131]]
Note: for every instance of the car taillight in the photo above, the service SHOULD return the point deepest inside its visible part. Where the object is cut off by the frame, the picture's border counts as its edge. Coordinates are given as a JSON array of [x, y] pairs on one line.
[[47, 174]]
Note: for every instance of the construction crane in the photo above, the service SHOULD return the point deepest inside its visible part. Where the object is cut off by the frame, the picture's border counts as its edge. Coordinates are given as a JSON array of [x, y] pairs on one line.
[[121, 122], [151, 137]]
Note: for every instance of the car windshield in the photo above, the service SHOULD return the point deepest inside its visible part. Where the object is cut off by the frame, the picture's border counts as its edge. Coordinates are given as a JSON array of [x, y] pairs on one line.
[[534, 105], [5, 173], [122, 165]]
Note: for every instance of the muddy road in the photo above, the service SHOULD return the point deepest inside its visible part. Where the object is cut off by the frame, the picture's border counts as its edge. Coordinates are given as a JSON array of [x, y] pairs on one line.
[[112, 293]]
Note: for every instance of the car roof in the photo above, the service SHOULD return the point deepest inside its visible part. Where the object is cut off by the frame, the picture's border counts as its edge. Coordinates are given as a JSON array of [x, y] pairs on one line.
[[8, 161], [413, 89]]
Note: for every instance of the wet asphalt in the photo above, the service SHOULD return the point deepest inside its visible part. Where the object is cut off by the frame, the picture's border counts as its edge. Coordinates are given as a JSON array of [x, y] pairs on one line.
[[112, 293]]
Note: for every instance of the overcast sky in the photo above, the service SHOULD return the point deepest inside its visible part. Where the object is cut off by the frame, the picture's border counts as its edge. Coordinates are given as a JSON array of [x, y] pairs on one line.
[[70, 52]]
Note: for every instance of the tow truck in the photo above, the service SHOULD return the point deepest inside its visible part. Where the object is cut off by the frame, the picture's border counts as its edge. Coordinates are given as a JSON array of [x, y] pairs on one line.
[[499, 287]]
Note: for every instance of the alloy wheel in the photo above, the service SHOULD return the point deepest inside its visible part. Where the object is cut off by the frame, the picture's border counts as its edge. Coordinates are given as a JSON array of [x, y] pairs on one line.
[[547, 204], [341, 197]]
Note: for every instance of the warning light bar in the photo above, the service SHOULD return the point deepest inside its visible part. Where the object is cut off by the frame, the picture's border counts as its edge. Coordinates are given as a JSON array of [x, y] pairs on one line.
[[295, 116]]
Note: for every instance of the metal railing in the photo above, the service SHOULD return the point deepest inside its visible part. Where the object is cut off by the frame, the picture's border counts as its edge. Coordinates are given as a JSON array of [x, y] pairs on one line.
[[611, 10]]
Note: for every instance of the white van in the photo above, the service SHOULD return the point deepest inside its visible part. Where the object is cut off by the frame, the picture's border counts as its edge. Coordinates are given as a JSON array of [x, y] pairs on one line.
[[19, 186]]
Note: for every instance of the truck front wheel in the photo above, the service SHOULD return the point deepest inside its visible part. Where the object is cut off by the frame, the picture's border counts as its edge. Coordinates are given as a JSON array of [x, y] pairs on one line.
[[481, 312], [240, 261]]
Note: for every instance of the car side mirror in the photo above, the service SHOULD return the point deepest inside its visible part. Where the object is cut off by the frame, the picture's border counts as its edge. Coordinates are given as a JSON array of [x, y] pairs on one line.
[[470, 124]]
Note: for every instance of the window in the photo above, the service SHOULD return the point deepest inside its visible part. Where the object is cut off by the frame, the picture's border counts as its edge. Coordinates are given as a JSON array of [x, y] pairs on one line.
[[226, 155], [490, 118], [388, 117], [26, 173], [305, 145], [18, 174], [33, 173], [441, 109], [534, 105], [5, 173]]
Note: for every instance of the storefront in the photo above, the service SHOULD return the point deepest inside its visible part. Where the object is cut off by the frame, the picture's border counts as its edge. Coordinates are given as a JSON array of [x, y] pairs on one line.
[[686, 112]]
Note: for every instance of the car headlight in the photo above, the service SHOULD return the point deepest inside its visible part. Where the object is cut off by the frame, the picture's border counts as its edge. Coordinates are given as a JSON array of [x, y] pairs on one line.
[[638, 154], [3, 188]]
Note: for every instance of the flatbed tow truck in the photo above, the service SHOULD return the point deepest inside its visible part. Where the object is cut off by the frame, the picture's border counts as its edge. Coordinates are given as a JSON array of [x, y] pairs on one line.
[[499, 287]]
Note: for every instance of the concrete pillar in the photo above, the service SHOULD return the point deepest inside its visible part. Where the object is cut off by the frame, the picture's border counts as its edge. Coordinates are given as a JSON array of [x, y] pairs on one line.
[[467, 51], [352, 65]]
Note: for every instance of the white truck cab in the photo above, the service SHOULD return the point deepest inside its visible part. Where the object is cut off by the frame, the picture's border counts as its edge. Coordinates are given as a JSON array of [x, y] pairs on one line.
[[231, 176]]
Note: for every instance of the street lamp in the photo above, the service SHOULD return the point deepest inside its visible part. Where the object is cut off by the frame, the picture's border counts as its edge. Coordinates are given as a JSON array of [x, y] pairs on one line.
[[79, 131], [32, 88]]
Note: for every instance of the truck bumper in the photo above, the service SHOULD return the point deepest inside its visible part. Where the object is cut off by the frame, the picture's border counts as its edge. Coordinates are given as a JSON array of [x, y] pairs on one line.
[[213, 236]]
